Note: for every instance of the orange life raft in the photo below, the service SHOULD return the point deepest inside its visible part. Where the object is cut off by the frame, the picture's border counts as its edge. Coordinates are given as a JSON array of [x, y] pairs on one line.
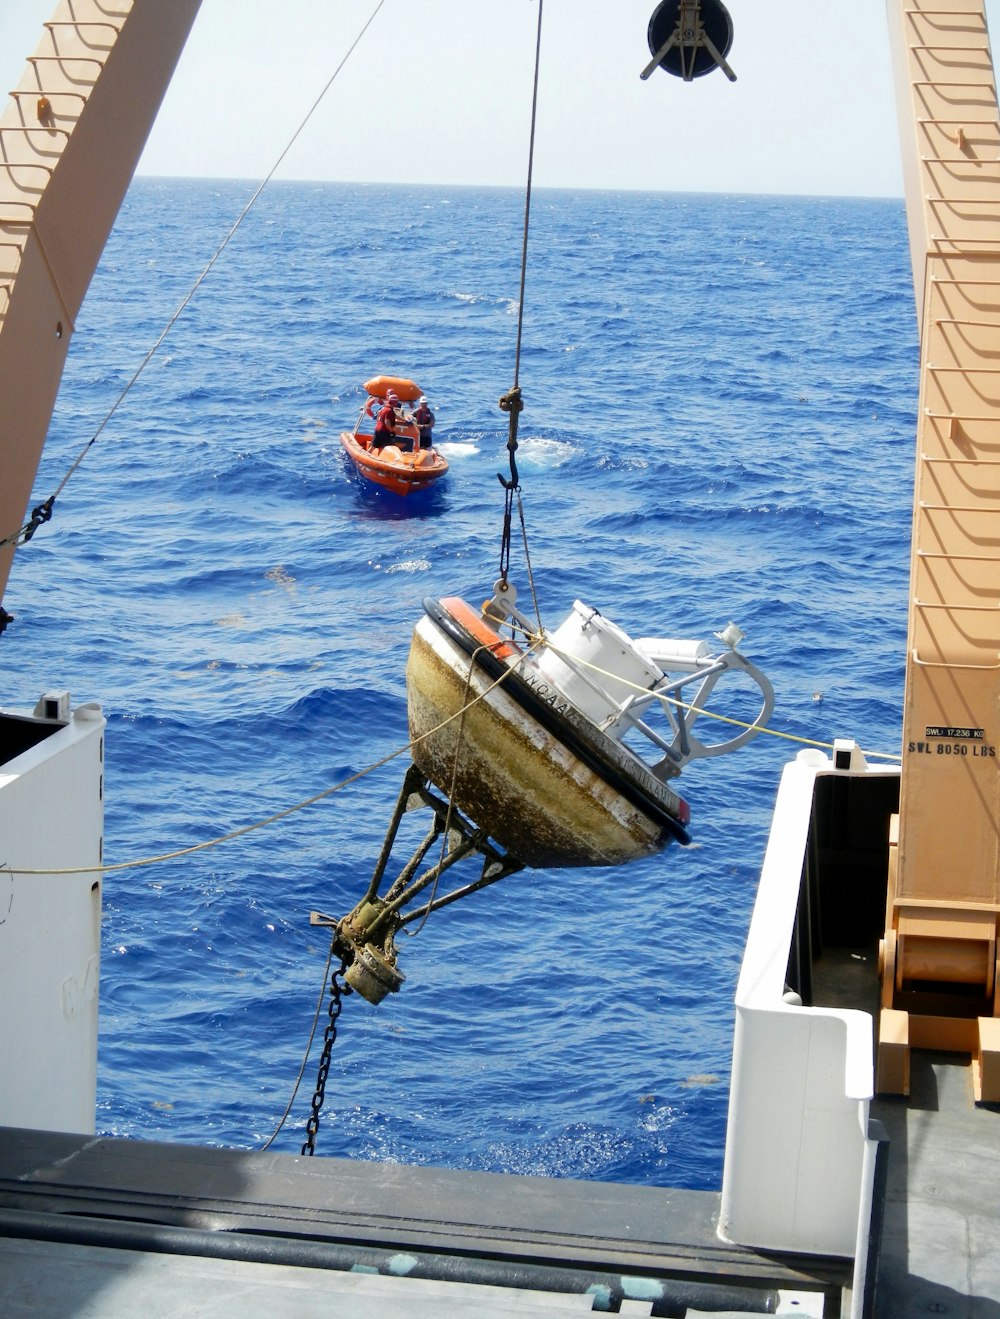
[[406, 390]]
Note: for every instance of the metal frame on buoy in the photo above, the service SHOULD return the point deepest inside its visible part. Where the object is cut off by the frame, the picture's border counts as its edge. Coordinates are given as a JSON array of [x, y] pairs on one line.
[[365, 937]]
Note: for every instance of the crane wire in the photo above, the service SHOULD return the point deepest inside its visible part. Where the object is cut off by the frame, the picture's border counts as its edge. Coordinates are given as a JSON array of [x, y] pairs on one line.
[[527, 194], [512, 402]]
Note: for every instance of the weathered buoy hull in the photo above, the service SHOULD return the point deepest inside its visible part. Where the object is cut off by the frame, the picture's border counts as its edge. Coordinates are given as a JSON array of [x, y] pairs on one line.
[[521, 762]]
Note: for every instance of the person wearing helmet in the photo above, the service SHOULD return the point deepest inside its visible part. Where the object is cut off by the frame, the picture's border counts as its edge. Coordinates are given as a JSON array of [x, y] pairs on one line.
[[385, 422], [424, 418]]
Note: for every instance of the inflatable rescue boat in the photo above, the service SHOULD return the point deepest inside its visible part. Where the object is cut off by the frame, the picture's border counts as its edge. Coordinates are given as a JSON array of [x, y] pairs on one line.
[[403, 467]]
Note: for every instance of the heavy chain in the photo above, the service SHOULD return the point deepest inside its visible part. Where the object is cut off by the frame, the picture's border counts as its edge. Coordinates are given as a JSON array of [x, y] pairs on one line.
[[329, 1035]]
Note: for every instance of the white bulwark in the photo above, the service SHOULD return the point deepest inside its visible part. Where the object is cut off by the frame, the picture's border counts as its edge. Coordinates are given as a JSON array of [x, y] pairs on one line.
[[51, 819]]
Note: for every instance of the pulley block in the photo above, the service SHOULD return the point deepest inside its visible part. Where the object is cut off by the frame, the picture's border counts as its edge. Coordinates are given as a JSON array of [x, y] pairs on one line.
[[690, 38]]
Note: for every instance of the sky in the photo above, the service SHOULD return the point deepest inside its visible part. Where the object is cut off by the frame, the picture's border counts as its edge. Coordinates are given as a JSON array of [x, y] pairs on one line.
[[439, 91]]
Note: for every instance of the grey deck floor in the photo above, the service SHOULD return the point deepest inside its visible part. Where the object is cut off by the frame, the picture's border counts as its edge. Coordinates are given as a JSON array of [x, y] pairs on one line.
[[112, 1227], [349, 1237], [941, 1241]]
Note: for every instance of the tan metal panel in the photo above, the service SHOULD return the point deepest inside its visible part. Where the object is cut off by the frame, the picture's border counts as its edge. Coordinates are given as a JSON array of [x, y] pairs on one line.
[[70, 139], [949, 815]]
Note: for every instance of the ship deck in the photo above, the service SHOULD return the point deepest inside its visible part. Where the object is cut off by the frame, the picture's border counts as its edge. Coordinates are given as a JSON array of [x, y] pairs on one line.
[[939, 1245], [942, 1202], [94, 1226], [99, 1226], [111, 1227]]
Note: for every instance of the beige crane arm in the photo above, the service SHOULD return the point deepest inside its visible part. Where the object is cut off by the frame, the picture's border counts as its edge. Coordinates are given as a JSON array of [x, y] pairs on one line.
[[70, 139]]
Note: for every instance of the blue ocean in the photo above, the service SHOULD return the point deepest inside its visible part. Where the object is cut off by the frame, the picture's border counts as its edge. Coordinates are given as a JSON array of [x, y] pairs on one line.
[[720, 397]]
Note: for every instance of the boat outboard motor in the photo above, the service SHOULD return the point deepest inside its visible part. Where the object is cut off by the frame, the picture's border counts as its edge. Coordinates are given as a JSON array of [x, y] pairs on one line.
[[689, 38]]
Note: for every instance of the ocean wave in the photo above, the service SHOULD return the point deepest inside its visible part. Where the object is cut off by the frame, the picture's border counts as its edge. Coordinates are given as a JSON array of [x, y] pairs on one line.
[[721, 428]]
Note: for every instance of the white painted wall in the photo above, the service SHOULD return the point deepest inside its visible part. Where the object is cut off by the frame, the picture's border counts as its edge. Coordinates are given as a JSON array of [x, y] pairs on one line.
[[51, 817], [802, 1076]]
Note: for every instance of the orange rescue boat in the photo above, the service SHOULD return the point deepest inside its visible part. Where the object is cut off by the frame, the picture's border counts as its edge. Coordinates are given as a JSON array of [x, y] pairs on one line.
[[402, 467]]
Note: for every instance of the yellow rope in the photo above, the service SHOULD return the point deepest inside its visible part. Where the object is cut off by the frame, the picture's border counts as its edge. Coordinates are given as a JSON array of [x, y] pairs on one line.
[[534, 639], [278, 815], [683, 705]]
